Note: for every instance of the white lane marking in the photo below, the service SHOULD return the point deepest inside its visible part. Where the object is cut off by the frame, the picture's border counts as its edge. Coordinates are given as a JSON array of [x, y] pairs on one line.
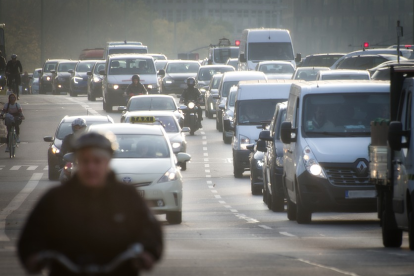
[[227, 206], [234, 211], [287, 234], [208, 176], [328, 267], [222, 202], [204, 143], [265, 227], [2, 166], [217, 196], [203, 133], [209, 182], [398, 254], [205, 154], [46, 168], [206, 160], [214, 191], [31, 168], [17, 202], [210, 187], [15, 168], [207, 171], [246, 218], [204, 137], [229, 160], [207, 165], [204, 148]]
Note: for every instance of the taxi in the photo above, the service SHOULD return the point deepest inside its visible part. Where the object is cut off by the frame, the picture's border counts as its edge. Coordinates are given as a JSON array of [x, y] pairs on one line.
[[175, 133], [145, 160]]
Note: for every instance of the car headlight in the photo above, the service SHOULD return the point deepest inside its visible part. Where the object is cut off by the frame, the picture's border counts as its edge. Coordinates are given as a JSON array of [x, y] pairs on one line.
[[168, 81], [176, 145], [279, 161], [113, 86], [191, 105], [244, 141], [77, 79], [55, 149], [149, 86], [311, 164], [96, 79], [170, 175], [48, 78]]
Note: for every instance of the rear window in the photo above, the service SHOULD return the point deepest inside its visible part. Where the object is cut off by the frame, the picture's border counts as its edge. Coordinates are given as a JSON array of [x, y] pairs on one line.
[[49, 66], [361, 63], [321, 61], [205, 74], [128, 51], [149, 103]]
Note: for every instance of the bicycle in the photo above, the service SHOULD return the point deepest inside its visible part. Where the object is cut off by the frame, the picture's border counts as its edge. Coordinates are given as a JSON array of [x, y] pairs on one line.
[[12, 138]]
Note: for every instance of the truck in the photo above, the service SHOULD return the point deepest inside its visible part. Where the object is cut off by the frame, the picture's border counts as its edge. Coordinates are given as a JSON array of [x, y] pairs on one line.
[[220, 53], [391, 160]]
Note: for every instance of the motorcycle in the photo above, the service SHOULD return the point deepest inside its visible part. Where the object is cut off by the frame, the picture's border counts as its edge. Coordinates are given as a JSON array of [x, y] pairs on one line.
[[190, 116]]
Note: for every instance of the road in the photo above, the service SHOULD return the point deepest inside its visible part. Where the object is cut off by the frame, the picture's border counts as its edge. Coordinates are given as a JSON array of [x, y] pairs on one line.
[[225, 230]]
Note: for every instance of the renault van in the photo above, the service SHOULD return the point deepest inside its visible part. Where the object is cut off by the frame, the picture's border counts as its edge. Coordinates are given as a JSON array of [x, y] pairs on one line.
[[326, 137]]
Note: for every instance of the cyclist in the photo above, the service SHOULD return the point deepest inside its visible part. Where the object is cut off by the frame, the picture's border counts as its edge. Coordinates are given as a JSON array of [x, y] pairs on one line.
[[13, 115], [12, 71], [92, 218]]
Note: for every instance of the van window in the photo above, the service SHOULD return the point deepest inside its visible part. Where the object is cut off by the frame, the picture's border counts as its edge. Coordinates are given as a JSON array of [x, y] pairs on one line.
[[221, 55], [49, 66], [232, 99], [130, 66], [253, 112], [342, 114], [270, 51], [216, 82]]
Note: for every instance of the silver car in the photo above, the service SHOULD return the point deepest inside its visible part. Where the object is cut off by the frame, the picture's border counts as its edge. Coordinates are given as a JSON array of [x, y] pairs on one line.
[[211, 95], [34, 82]]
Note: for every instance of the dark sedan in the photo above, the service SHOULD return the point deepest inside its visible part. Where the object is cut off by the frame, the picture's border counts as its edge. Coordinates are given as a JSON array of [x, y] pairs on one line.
[[61, 79], [175, 75], [79, 80], [95, 81], [47, 75]]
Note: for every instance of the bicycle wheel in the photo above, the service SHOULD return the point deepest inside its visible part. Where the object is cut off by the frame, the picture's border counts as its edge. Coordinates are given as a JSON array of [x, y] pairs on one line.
[[11, 142]]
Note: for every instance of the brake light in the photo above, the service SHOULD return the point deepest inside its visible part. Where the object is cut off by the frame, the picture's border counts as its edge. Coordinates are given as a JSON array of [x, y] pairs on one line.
[[407, 46], [237, 43], [366, 44]]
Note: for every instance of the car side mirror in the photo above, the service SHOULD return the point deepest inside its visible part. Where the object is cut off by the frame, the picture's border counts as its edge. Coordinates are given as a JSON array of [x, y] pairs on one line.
[[242, 58], [70, 71], [69, 157], [250, 147], [183, 157], [102, 72], [395, 134], [89, 73], [53, 71], [182, 107], [261, 146], [287, 134], [161, 72], [185, 129], [122, 108], [48, 139], [298, 57], [222, 106], [228, 126], [265, 135]]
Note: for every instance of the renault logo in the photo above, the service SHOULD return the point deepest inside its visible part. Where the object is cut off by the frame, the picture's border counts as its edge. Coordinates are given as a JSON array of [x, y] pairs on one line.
[[127, 179], [361, 167]]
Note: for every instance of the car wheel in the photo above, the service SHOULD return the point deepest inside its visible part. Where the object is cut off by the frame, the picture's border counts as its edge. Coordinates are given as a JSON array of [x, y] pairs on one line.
[[411, 229], [217, 125], [174, 217], [303, 215], [391, 236], [183, 166], [53, 173], [278, 200], [92, 98], [226, 140], [107, 107], [291, 209], [237, 171]]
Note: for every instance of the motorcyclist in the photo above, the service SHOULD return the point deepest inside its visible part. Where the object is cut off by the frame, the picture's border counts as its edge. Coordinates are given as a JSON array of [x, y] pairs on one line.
[[192, 94], [25, 82], [13, 115], [13, 70], [135, 88], [92, 218]]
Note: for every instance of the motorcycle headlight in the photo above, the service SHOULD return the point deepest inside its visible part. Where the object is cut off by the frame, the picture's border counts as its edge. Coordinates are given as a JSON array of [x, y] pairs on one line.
[[244, 141], [77, 80], [170, 175], [55, 149], [311, 164], [96, 79], [176, 145], [191, 105]]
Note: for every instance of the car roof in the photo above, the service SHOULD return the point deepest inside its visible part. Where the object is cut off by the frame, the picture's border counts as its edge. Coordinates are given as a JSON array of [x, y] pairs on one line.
[[326, 54], [56, 60], [150, 113], [127, 46], [120, 56], [342, 86], [216, 66], [68, 61], [264, 89], [152, 96], [87, 118], [344, 71], [183, 61], [275, 62], [240, 75], [120, 128], [88, 60]]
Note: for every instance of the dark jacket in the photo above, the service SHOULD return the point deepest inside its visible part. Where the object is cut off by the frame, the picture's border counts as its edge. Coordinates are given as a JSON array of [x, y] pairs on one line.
[[3, 63], [67, 144], [90, 226], [136, 89], [13, 68], [191, 94]]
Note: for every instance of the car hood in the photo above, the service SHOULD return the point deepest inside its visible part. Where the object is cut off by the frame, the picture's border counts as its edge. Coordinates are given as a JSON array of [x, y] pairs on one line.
[[175, 137], [64, 74], [339, 150], [279, 76], [141, 166], [181, 75], [57, 143], [126, 79]]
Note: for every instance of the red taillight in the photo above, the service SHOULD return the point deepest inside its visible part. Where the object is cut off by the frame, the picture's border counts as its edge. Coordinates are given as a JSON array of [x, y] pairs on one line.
[[366, 44], [408, 46], [237, 43]]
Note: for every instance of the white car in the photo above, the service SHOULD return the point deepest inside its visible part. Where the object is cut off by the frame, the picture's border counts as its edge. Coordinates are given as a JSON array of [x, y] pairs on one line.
[[275, 70], [343, 75], [145, 160]]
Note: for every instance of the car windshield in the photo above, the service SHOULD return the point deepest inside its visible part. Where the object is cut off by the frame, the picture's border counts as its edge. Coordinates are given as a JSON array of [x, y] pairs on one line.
[[382, 74], [168, 122], [361, 63], [151, 103], [307, 74], [234, 63], [216, 82], [276, 68], [49, 66], [128, 51], [232, 99], [160, 64], [345, 77], [221, 55], [253, 112], [350, 114], [205, 74], [182, 67], [226, 87], [270, 51], [66, 128], [141, 146], [64, 67], [323, 61], [36, 74], [85, 66], [99, 67], [131, 66]]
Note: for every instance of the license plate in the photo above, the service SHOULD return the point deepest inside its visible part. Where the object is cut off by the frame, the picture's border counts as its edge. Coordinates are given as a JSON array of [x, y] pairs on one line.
[[183, 85], [360, 194], [141, 193]]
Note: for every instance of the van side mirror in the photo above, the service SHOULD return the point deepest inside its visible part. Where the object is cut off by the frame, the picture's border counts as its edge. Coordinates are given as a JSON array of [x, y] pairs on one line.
[[53, 71], [48, 139], [227, 125], [102, 72], [265, 135], [89, 73], [287, 134], [261, 146], [242, 58], [395, 134], [161, 72], [298, 57]]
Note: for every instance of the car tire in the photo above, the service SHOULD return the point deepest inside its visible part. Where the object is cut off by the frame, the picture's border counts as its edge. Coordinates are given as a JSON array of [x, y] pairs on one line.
[[277, 203], [411, 229], [237, 171], [264, 193], [183, 166], [174, 217], [107, 107], [256, 190], [303, 215], [291, 209], [53, 173], [391, 236], [92, 98], [226, 140]]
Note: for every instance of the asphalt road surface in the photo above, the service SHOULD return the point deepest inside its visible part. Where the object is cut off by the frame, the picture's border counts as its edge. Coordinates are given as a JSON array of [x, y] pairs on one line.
[[225, 230]]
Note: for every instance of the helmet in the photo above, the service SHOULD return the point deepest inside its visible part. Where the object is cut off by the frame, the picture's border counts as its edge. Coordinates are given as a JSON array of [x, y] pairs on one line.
[[96, 140], [79, 122], [136, 77], [191, 81], [14, 56]]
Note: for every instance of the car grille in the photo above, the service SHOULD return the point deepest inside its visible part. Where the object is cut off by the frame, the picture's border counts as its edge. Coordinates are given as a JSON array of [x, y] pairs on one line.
[[346, 175], [142, 184]]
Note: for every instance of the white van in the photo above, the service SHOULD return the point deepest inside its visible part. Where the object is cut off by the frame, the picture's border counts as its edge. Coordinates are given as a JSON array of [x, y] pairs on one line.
[[127, 48], [255, 104], [264, 44], [118, 75], [326, 137], [227, 81]]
